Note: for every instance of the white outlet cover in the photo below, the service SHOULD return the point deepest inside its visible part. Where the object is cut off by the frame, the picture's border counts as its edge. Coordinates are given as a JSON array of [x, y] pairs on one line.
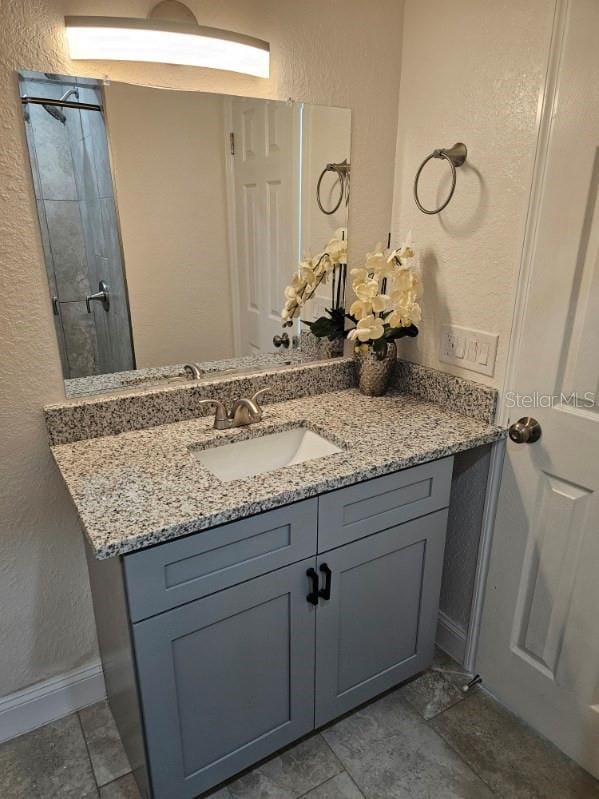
[[474, 350]]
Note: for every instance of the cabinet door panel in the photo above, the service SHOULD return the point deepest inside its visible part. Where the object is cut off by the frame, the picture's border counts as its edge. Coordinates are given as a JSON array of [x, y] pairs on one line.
[[378, 627], [226, 680]]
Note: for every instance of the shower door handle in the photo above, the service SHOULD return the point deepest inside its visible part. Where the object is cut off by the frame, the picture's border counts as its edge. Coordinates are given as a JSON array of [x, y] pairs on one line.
[[103, 296]]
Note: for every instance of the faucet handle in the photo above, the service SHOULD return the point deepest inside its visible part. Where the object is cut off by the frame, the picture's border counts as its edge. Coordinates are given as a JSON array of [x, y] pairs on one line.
[[221, 416], [256, 397]]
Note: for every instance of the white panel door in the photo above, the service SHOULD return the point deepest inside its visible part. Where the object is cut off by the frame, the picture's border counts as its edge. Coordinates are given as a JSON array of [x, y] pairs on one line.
[[539, 646], [265, 167]]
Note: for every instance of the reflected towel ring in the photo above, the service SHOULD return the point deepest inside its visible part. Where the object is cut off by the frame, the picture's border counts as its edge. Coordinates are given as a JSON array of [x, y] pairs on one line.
[[342, 171], [455, 156]]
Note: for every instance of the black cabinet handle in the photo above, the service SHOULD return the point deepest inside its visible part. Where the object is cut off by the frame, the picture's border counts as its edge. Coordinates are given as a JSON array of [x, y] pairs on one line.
[[313, 595], [325, 592]]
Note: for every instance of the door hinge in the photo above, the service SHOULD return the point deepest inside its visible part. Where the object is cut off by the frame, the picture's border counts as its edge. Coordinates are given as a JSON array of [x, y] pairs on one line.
[[232, 143]]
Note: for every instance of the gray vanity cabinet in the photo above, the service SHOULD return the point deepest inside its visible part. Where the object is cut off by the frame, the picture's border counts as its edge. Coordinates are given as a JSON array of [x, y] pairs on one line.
[[226, 680], [249, 635]]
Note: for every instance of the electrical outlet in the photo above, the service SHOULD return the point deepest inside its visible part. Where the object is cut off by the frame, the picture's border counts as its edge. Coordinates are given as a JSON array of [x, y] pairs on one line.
[[470, 349]]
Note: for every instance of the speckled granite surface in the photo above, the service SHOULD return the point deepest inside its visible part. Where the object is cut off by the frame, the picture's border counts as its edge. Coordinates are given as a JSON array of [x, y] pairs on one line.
[[139, 407], [158, 376], [144, 487], [464, 396]]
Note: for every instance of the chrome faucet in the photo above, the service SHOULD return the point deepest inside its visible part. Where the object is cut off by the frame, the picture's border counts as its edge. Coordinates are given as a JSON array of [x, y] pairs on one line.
[[243, 412]]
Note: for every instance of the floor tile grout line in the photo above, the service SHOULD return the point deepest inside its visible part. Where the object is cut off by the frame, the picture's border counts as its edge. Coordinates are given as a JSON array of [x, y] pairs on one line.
[[331, 750], [453, 749], [89, 757], [463, 759], [116, 779], [346, 769], [324, 782], [332, 777], [360, 791]]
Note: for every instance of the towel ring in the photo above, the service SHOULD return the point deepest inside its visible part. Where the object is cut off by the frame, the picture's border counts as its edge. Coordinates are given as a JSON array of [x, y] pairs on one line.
[[342, 171], [455, 156]]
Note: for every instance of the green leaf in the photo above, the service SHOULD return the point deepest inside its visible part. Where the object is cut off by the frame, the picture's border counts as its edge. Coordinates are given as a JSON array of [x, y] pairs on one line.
[[324, 327], [393, 333]]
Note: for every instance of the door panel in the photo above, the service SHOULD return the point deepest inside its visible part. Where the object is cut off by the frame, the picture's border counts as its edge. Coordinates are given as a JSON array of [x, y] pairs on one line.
[[266, 186], [539, 645], [378, 626], [226, 680]]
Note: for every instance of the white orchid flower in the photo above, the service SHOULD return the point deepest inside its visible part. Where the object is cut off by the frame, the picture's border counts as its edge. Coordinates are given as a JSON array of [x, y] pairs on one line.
[[376, 260], [290, 309], [406, 250], [360, 309], [406, 279], [289, 292], [392, 256], [368, 329], [406, 311], [359, 275], [337, 250], [401, 318], [307, 274], [306, 263], [386, 269], [381, 302], [367, 290], [403, 298]]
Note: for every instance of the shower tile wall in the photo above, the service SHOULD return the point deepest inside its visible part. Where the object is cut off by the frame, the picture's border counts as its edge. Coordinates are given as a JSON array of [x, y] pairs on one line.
[[73, 187]]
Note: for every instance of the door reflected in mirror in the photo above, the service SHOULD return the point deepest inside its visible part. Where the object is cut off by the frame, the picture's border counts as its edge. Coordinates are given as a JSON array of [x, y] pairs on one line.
[[172, 221]]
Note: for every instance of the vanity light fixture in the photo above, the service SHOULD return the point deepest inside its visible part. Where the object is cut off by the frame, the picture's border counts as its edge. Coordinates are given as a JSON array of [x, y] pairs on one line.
[[169, 35]]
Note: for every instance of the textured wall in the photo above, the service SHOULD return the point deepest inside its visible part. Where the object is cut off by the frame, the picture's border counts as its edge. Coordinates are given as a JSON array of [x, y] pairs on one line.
[[472, 71], [342, 52]]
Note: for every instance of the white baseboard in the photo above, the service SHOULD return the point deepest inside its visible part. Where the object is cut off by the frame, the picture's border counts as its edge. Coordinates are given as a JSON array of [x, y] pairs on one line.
[[451, 637], [52, 699]]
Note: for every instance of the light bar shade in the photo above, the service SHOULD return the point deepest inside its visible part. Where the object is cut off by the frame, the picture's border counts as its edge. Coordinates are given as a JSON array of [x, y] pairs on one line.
[[157, 41]]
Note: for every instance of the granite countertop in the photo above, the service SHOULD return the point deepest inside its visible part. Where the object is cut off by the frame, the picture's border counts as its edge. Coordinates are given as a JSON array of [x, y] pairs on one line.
[[144, 487]]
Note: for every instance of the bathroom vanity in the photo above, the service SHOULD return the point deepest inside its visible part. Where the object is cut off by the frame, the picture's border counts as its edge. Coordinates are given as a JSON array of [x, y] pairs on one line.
[[240, 639], [235, 616]]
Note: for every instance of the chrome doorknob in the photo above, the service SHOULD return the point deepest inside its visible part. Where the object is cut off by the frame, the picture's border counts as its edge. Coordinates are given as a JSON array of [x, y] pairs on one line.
[[281, 341], [525, 431]]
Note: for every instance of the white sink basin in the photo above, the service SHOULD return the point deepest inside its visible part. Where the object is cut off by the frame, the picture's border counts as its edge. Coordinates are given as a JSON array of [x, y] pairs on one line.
[[263, 453]]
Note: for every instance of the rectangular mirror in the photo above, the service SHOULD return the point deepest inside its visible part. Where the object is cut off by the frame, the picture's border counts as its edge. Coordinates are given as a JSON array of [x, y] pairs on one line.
[[172, 221]]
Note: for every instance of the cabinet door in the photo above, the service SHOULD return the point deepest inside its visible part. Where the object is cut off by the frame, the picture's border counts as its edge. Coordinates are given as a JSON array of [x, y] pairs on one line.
[[226, 680], [378, 627]]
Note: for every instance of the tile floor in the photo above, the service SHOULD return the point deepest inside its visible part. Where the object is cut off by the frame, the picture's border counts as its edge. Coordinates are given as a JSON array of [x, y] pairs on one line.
[[424, 740]]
